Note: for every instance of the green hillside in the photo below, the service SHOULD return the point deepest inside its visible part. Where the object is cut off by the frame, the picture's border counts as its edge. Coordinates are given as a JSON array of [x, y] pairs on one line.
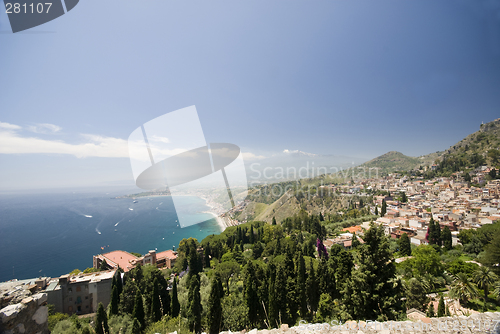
[[477, 149], [393, 161]]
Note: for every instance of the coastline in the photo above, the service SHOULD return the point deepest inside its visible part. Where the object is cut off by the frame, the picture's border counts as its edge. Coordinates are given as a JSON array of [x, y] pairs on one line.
[[220, 220]]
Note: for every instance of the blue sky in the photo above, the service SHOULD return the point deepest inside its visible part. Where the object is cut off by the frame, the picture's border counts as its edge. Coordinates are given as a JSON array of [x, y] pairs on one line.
[[354, 78]]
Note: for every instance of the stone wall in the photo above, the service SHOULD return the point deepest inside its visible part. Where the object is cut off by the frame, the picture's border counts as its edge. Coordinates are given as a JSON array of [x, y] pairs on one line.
[[488, 323], [28, 316]]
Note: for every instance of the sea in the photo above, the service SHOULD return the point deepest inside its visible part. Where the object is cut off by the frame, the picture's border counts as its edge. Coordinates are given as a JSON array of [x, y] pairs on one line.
[[52, 234]]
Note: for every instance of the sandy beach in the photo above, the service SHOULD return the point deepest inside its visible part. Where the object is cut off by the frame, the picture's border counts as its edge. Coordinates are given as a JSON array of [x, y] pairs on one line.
[[219, 219]]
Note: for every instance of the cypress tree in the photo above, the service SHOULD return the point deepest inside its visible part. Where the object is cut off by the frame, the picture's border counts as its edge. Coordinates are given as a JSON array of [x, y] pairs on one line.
[[384, 208], [138, 312], [404, 199], [206, 253], [441, 307], [301, 285], [251, 298], [355, 242], [447, 239], [272, 304], [312, 287], [175, 307], [136, 326], [214, 316], [274, 221], [251, 240], [155, 302], [115, 300], [194, 310], [165, 299], [430, 310], [376, 210], [119, 284], [101, 321], [434, 233], [281, 293], [405, 245]]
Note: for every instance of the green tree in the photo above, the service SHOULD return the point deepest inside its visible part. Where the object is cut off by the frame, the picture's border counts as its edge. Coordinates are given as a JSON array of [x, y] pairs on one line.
[[301, 285], [101, 321], [355, 242], [119, 283], [484, 278], [251, 298], [325, 308], [415, 293], [492, 254], [138, 312], [115, 300], [194, 308], [434, 237], [441, 308], [446, 236], [462, 288], [373, 291], [384, 208], [376, 210], [103, 266], [155, 302], [404, 199], [136, 326], [426, 260], [430, 311], [493, 173], [312, 287], [214, 315], [405, 245], [273, 221], [175, 306]]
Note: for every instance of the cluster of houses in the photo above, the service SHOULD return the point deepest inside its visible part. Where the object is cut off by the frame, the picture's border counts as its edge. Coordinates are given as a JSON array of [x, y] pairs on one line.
[[450, 201]]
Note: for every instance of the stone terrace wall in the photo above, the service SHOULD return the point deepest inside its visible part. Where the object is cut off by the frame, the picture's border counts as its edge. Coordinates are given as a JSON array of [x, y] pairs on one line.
[[489, 322], [28, 316]]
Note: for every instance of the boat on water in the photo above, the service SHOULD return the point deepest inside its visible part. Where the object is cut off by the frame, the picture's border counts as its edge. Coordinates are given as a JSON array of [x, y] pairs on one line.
[[135, 201]]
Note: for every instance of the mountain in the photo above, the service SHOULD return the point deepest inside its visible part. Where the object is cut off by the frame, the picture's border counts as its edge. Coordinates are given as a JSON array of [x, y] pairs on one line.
[[479, 148], [480, 142], [393, 161], [294, 165]]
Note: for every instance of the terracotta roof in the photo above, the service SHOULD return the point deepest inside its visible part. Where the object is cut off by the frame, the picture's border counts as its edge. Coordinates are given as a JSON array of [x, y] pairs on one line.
[[353, 229], [168, 253], [120, 258]]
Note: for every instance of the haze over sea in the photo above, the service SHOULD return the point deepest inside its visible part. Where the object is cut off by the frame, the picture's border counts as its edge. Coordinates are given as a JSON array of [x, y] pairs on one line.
[[52, 234]]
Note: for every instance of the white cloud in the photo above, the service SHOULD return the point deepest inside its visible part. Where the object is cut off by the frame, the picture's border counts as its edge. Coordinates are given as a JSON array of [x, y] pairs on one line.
[[250, 156], [45, 128], [158, 139], [96, 146], [9, 126], [12, 142]]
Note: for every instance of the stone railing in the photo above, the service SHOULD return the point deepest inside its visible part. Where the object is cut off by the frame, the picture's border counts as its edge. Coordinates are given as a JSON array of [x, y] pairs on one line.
[[487, 322], [28, 316]]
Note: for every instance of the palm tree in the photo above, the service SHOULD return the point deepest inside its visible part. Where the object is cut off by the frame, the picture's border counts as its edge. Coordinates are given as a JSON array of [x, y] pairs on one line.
[[497, 290], [484, 277], [462, 288]]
